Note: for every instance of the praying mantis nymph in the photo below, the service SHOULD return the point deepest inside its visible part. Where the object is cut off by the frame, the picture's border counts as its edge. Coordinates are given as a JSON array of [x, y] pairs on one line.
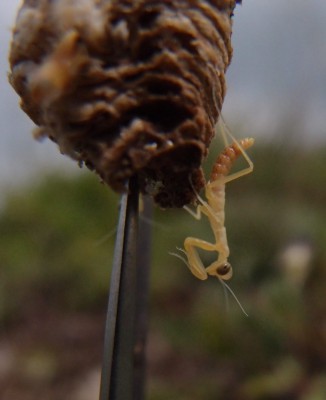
[[214, 209]]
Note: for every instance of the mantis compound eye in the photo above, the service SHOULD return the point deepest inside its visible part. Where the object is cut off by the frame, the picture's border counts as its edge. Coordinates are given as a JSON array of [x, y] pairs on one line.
[[224, 271]]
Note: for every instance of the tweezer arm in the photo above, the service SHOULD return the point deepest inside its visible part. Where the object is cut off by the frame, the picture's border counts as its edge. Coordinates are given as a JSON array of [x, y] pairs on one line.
[[117, 370]]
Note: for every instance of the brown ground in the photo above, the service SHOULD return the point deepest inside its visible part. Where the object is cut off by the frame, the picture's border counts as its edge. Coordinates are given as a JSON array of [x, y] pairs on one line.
[[49, 355]]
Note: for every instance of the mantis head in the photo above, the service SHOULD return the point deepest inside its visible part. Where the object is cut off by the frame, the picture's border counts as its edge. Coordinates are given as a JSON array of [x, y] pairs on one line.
[[224, 270]]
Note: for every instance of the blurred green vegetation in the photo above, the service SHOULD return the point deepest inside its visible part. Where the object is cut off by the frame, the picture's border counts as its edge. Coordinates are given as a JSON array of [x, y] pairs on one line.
[[51, 248], [56, 246]]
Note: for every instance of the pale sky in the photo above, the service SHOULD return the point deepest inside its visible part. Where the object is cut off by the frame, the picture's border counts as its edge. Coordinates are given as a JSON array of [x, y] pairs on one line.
[[278, 71]]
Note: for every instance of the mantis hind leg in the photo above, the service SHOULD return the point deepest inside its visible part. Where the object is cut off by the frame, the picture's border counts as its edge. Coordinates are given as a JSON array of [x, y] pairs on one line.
[[225, 132], [202, 208]]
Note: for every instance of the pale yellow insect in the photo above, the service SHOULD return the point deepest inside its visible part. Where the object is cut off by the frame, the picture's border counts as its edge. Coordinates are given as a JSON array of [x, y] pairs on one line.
[[214, 210]]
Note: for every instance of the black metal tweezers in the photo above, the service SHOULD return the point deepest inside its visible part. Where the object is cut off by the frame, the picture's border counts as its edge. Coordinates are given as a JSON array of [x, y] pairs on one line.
[[123, 368]]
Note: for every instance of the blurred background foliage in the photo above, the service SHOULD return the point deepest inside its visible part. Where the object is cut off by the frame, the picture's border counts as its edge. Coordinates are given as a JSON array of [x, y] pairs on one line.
[[56, 246]]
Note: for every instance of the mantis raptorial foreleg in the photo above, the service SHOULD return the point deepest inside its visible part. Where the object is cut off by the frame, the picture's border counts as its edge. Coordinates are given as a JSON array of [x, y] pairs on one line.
[[194, 262]]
